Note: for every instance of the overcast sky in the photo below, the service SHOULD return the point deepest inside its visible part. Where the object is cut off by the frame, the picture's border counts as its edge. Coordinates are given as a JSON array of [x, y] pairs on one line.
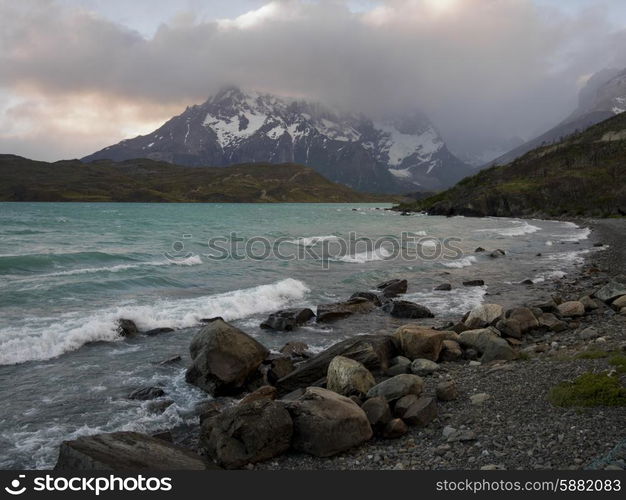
[[76, 76]]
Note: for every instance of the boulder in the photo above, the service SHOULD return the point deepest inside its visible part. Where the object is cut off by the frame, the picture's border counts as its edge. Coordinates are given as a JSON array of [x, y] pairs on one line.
[[424, 367], [589, 303], [378, 412], [159, 407], [552, 323], [126, 452], [146, 393], [373, 351], [611, 291], [326, 423], [403, 404], [444, 287], [485, 314], [509, 328], [339, 310], [415, 341], [571, 309], [474, 283], [488, 343], [447, 390], [396, 387], [157, 331], [421, 413], [348, 377], [525, 317], [223, 358], [451, 351], [371, 296], [394, 429], [249, 433], [295, 349], [398, 366], [127, 328], [288, 319], [497, 253], [264, 392], [619, 303], [279, 367], [548, 306], [406, 309], [393, 288]]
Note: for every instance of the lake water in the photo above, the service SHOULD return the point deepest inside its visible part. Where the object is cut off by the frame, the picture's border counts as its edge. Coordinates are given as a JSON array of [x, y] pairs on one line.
[[68, 272]]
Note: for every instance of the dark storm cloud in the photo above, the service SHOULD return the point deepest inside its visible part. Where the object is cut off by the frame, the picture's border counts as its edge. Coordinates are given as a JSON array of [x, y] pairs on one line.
[[480, 68]]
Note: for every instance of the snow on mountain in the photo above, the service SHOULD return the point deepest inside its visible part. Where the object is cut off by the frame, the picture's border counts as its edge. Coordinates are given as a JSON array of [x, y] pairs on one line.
[[400, 154]]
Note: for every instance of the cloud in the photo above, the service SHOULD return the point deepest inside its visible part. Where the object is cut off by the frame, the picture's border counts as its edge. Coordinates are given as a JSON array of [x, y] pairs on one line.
[[482, 69]]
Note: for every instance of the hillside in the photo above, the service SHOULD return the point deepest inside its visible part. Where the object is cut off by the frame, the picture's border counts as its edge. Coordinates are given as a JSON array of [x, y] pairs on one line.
[[151, 181], [584, 175]]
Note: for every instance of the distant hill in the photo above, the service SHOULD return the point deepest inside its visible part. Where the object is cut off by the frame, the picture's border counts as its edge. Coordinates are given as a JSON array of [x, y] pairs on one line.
[[152, 181], [604, 96], [584, 175]]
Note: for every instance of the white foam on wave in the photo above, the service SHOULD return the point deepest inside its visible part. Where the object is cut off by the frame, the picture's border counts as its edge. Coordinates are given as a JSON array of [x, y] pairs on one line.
[[45, 338], [578, 233], [367, 256], [460, 263], [456, 301], [313, 240], [521, 228]]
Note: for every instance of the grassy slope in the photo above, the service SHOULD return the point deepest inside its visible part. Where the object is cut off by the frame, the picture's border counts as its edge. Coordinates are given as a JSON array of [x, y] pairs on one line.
[[585, 174], [150, 181]]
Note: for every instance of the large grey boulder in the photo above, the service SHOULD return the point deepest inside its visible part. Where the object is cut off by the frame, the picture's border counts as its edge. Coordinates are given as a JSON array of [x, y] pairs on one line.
[[396, 387], [488, 343], [249, 433], [372, 351], [348, 377], [224, 358], [126, 452], [326, 423], [484, 315], [609, 292], [524, 317]]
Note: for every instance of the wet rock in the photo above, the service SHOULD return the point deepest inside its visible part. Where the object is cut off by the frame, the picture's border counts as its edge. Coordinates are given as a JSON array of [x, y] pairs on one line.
[[158, 331], [171, 360], [224, 358], [158, 407], [125, 452], [287, 319], [348, 377], [396, 387], [146, 393], [474, 283], [278, 368], [296, 349], [479, 250], [264, 392], [127, 328], [445, 287], [525, 317], [339, 310], [424, 367], [488, 343], [393, 288], [415, 341], [249, 433], [421, 413], [497, 253], [394, 429], [571, 309], [371, 296], [406, 309], [326, 423], [447, 390], [373, 351], [378, 413], [451, 351]]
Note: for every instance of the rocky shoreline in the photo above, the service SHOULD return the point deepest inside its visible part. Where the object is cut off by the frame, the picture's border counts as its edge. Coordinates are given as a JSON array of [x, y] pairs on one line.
[[478, 393]]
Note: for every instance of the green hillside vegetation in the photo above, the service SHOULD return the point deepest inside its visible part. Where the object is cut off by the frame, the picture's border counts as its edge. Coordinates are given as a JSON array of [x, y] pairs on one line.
[[583, 175], [151, 181]]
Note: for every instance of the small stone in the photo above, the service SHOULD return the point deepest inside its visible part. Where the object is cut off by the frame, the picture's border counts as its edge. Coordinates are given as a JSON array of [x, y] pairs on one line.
[[479, 399], [475, 363], [447, 391], [448, 431], [394, 429], [421, 413]]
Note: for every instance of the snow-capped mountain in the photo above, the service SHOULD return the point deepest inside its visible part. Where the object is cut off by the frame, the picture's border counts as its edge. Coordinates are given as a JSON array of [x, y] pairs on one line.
[[603, 97], [397, 155]]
